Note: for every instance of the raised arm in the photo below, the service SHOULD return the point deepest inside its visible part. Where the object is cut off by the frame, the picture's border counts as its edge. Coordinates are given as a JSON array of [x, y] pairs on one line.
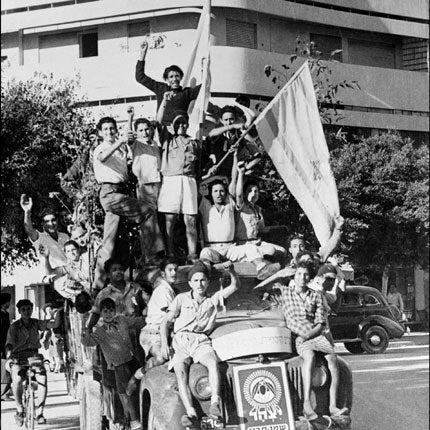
[[334, 241], [218, 131], [27, 204], [239, 184], [105, 154], [234, 173], [161, 110], [234, 280]]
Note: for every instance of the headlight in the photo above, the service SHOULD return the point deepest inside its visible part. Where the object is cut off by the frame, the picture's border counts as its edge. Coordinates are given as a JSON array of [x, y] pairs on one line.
[[319, 377], [202, 389]]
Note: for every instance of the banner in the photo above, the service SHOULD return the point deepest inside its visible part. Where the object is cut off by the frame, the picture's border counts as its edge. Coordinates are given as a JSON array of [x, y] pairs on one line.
[[199, 70], [291, 132]]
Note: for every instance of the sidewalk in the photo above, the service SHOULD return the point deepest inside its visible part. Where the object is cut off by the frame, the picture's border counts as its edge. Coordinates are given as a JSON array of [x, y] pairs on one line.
[[61, 410]]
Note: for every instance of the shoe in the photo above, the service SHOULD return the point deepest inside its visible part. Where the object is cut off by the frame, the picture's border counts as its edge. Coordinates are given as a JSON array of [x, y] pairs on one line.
[[215, 410], [268, 270], [192, 259], [19, 418], [40, 419], [339, 412], [135, 425], [189, 422]]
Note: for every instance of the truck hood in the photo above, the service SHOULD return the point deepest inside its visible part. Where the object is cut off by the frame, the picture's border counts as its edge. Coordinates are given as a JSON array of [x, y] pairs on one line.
[[244, 333]]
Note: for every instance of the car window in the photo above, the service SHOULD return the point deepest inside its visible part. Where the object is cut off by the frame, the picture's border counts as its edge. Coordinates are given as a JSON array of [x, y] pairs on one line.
[[351, 299], [370, 299]]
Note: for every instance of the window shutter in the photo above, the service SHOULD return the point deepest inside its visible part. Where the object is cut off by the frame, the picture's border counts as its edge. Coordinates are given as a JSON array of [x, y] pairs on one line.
[[241, 33]]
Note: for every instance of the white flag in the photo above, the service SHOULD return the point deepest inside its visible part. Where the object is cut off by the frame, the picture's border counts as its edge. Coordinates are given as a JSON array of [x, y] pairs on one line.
[[199, 70], [292, 134]]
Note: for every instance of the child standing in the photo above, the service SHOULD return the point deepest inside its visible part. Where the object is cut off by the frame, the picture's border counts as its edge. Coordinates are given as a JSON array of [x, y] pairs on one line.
[[114, 340]]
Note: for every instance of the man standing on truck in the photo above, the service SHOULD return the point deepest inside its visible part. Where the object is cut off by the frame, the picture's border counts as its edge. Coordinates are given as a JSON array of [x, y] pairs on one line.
[[306, 317], [194, 314]]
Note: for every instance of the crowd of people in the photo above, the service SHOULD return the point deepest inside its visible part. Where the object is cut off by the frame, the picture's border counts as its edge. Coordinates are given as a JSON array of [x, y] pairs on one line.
[[207, 182]]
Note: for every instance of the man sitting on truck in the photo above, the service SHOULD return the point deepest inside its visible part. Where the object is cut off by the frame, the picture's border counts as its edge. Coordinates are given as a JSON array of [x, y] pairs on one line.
[[306, 317], [194, 314], [23, 341]]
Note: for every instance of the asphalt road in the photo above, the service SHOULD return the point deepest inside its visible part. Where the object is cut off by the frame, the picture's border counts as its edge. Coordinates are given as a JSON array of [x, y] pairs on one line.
[[391, 390]]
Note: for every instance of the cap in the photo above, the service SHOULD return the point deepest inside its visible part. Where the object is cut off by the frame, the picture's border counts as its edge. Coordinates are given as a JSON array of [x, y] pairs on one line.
[[198, 267], [326, 270]]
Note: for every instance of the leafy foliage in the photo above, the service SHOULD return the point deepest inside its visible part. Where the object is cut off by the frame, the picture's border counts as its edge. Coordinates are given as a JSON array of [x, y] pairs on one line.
[[383, 192], [41, 133]]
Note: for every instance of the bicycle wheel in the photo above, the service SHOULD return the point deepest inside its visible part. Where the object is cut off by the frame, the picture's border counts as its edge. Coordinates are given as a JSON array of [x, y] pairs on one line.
[[29, 408]]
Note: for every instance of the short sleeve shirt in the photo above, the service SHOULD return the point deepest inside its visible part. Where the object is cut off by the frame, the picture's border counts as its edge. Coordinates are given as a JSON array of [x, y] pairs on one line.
[[218, 226], [146, 162], [249, 222], [193, 316], [160, 300], [302, 312], [124, 299], [21, 338], [114, 169], [180, 155], [57, 257]]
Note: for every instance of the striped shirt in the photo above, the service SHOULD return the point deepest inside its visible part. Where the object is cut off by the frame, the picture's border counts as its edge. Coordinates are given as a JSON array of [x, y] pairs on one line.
[[302, 311]]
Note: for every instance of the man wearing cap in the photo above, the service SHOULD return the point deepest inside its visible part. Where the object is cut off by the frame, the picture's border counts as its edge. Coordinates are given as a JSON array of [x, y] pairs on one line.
[[194, 314], [179, 163]]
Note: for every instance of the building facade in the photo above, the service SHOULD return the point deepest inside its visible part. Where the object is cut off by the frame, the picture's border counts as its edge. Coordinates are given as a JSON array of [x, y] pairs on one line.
[[381, 44]]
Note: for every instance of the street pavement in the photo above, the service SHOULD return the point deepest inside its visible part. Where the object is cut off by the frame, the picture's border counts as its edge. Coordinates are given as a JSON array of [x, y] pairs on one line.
[[61, 410], [391, 390]]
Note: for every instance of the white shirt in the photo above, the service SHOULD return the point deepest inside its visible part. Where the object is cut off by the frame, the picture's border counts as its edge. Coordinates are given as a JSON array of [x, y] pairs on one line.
[[57, 257], [160, 300], [218, 226], [114, 169], [146, 162]]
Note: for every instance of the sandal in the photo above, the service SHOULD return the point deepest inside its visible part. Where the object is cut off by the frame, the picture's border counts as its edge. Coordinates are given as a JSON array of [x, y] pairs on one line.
[[40, 419]]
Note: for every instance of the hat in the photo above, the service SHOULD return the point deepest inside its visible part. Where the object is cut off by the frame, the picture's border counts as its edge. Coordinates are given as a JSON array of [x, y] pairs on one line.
[[83, 302], [179, 114], [198, 267], [327, 269]]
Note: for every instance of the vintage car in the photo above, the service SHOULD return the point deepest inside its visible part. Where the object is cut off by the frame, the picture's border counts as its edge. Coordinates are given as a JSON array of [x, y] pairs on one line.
[[365, 321], [260, 370]]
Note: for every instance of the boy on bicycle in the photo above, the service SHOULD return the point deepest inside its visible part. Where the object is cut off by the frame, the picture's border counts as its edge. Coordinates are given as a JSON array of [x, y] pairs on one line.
[[23, 341]]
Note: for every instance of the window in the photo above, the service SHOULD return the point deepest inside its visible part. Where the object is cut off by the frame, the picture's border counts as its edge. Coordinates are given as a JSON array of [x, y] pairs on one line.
[[351, 299], [241, 33], [326, 45], [136, 31], [369, 53], [88, 45], [369, 299], [58, 47]]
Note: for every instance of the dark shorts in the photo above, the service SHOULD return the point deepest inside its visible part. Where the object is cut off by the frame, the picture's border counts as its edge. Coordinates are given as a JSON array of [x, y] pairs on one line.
[[123, 373]]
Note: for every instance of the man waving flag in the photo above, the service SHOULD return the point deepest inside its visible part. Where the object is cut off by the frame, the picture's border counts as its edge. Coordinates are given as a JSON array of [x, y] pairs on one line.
[[292, 134], [199, 69]]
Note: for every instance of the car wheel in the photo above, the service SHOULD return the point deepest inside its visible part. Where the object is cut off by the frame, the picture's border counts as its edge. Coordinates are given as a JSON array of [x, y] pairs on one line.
[[354, 347], [375, 339]]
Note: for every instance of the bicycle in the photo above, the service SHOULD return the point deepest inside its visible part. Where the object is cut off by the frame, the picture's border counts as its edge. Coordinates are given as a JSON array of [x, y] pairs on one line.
[[29, 369]]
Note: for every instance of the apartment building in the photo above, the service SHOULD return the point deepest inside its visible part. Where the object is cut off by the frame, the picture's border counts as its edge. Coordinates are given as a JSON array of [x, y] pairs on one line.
[[384, 46]]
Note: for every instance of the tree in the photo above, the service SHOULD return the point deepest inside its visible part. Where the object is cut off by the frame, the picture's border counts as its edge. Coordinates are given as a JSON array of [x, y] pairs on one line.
[[383, 193], [41, 133]]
